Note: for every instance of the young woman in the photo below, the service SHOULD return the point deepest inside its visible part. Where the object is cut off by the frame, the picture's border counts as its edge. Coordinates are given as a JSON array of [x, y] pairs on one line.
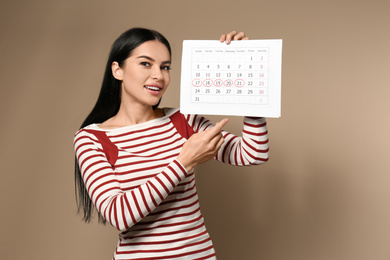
[[135, 162]]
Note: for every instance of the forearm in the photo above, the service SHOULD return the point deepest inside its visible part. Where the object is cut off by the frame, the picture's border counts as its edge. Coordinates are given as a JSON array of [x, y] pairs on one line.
[[251, 148], [122, 207]]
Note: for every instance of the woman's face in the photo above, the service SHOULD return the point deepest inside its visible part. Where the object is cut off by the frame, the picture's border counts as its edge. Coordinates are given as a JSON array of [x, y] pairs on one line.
[[145, 74]]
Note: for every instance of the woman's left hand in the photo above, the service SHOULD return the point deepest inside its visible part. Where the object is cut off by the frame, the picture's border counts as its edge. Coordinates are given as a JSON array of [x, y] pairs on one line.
[[233, 36]]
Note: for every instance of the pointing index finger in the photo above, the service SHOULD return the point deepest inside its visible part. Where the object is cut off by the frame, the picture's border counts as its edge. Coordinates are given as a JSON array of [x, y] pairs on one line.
[[218, 126]]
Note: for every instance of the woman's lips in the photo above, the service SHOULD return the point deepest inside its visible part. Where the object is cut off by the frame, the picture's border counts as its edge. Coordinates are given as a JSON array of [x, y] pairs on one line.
[[153, 89]]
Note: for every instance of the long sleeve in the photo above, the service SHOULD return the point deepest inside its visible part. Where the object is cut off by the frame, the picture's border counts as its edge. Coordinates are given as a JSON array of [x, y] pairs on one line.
[[122, 208], [249, 149]]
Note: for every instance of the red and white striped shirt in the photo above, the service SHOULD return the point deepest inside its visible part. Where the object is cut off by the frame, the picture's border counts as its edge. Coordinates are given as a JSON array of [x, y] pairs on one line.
[[148, 194]]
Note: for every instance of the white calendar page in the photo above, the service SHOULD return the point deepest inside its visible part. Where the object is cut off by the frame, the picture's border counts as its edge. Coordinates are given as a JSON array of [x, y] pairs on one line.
[[239, 79]]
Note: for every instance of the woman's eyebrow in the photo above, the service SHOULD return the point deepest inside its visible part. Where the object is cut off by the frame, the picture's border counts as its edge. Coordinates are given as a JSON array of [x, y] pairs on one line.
[[151, 59]]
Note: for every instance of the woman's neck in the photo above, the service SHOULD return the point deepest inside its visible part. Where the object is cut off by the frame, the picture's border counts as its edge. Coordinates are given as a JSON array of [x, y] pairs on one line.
[[131, 116]]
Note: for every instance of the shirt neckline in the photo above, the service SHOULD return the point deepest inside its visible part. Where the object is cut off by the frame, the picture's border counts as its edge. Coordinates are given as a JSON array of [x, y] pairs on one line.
[[167, 113]]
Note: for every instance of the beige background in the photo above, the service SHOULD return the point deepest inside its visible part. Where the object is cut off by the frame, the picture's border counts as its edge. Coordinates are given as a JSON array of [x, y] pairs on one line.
[[323, 195]]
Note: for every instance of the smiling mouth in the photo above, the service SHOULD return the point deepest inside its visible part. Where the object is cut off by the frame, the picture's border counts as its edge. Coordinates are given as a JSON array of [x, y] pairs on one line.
[[153, 88]]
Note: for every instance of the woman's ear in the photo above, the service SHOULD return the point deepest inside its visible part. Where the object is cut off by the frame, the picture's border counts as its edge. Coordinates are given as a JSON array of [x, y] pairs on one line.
[[116, 71]]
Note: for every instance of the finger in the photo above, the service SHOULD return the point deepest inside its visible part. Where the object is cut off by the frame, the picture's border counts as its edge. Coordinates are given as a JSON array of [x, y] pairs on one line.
[[213, 142], [218, 126], [222, 38], [239, 36], [230, 36], [216, 142], [214, 131], [220, 143]]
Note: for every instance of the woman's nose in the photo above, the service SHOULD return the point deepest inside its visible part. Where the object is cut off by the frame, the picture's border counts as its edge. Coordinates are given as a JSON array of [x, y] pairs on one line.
[[156, 73]]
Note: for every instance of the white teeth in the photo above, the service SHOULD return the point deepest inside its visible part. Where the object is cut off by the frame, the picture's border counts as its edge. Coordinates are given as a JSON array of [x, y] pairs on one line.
[[152, 88]]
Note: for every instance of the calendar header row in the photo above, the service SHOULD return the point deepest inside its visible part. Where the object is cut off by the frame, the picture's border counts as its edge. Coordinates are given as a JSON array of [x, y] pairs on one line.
[[208, 50]]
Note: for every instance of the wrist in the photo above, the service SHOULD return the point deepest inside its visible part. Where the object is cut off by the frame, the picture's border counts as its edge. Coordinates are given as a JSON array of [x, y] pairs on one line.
[[187, 164]]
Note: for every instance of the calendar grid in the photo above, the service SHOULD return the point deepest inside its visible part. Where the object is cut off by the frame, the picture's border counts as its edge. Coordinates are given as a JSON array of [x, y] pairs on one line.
[[238, 76]]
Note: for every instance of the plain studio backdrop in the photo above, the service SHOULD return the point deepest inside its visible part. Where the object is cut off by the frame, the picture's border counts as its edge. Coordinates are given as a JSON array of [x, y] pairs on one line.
[[323, 195]]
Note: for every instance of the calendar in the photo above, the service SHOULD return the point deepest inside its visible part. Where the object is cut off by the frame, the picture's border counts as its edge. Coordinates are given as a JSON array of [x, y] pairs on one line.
[[239, 79]]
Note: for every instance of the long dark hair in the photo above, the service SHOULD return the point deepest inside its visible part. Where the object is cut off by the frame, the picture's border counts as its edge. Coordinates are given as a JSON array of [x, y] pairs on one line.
[[109, 101]]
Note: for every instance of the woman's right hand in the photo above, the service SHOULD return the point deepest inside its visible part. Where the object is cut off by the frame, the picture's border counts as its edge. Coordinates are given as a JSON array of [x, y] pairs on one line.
[[201, 147]]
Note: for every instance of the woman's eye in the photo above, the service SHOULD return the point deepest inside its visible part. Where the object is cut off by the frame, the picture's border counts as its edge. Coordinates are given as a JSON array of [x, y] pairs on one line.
[[166, 67], [145, 63]]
